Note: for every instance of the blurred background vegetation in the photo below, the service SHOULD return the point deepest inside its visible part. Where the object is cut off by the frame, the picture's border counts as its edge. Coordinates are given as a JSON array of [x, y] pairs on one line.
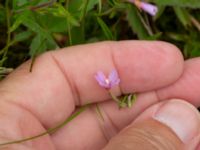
[[31, 27]]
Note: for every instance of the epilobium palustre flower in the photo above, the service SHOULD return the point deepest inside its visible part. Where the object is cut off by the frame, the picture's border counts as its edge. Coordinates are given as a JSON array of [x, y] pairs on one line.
[[147, 7], [108, 83]]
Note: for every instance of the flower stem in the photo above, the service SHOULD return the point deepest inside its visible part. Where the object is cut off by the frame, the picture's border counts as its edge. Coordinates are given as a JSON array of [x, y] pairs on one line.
[[113, 97], [99, 112], [50, 130], [5, 49]]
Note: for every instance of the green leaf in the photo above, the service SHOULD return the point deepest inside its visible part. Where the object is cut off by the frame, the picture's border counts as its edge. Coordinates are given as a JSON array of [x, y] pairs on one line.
[[38, 45], [22, 36], [65, 13], [43, 39], [161, 10], [3, 60], [92, 3], [24, 4], [105, 28], [183, 16], [76, 7], [180, 3], [177, 37], [18, 3], [52, 23], [77, 39], [50, 42], [31, 23], [99, 6], [192, 49], [19, 19], [84, 7], [2, 15], [155, 36], [136, 23]]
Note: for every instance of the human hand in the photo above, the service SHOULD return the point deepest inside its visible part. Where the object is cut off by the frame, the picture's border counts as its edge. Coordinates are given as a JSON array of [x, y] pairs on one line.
[[62, 80]]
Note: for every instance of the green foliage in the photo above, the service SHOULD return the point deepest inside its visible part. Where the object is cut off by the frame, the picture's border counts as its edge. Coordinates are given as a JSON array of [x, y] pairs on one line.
[[105, 29], [137, 23], [183, 16], [179, 3], [29, 28]]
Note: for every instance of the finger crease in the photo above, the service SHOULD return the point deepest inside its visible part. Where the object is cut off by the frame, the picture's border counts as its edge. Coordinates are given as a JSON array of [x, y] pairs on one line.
[[72, 85]]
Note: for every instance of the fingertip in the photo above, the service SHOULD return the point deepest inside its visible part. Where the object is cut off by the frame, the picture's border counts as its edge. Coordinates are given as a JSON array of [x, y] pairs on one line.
[[187, 87], [147, 64]]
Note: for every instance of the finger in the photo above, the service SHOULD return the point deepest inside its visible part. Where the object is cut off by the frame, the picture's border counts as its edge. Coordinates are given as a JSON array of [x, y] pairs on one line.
[[161, 127], [61, 79], [17, 124], [91, 130], [187, 87]]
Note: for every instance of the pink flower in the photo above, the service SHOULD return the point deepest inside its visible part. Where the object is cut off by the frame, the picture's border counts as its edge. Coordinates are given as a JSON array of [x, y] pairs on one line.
[[108, 83], [147, 7]]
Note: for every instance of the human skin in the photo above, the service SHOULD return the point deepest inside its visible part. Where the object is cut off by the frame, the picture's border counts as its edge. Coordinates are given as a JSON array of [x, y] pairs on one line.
[[62, 80]]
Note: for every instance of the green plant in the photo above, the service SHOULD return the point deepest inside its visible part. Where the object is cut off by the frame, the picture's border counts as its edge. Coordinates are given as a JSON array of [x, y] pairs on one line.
[[29, 28]]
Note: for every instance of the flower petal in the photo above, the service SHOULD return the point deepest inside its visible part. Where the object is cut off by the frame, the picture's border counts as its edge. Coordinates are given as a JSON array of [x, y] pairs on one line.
[[113, 78], [101, 79], [149, 8]]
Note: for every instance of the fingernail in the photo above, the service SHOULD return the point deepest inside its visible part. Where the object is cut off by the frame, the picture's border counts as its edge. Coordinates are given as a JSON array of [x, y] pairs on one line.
[[181, 117]]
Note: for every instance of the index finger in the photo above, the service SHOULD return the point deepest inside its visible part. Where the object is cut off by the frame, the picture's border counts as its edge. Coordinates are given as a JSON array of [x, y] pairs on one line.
[[63, 79]]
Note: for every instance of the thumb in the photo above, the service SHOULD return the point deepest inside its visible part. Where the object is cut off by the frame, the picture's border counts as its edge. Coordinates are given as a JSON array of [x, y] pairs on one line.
[[169, 125]]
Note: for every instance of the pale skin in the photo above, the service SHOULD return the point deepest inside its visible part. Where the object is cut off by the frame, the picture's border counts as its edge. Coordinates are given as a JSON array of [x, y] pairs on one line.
[[64, 79]]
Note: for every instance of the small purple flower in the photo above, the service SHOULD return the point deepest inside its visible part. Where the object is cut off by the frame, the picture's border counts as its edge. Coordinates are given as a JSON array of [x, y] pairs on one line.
[[147, 7], [108, 83]]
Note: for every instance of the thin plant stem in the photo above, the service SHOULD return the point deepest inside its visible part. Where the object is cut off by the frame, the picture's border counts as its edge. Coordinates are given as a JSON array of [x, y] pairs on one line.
[[107, 12], [113, 97], [66, 3], [34, 56], [82, 19], [50, 130], [5, 49], [195, 22], [42, 5], [47, 4], [84, 10], [69, 33], [8, 24], [100, 7], [68, 24], [99, 112]]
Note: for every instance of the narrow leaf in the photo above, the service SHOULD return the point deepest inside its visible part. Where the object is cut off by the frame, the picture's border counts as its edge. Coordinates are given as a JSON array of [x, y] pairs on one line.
[[37, 45], [22, 36], [135, 22], [64, 12], [182, 15], [180, 3], [105, 28]]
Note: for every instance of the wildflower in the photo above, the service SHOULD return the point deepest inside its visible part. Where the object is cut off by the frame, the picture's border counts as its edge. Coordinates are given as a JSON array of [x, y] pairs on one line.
[[126, 100], [147, 7], [108, 83]]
